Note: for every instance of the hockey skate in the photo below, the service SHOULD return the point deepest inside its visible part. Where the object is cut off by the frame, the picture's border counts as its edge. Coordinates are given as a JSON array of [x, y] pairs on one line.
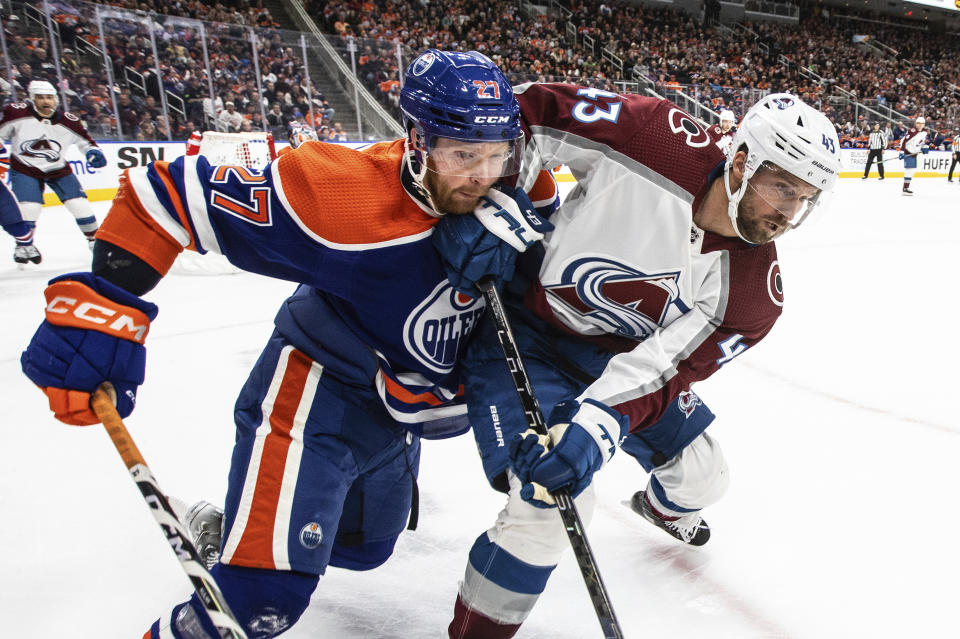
[[907, 192], [690, 529], [26, 253], [204, 522]]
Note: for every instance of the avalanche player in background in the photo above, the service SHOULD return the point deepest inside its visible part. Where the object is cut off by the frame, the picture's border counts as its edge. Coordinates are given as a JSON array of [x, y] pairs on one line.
[[39, 134], [12, 220], [363, 358], [661, 269], [727, 122], [914, 142]]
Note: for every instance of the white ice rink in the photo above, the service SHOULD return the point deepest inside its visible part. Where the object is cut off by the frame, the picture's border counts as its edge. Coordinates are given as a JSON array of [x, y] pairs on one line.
[[840, 430]]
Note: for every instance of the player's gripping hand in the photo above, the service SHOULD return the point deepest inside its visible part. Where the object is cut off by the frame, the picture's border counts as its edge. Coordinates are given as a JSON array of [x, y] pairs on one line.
[[584, 437], [925, 149], [485, 244], [93, 333], [508, 213], [900, 155], [95, 158]]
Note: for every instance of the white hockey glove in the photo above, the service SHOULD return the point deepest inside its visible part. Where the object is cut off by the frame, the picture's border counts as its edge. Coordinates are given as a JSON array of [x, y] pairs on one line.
[[509, 214]]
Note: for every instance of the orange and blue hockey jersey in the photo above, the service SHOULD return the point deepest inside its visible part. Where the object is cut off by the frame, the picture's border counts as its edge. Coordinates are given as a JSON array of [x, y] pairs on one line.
[[375, 306]]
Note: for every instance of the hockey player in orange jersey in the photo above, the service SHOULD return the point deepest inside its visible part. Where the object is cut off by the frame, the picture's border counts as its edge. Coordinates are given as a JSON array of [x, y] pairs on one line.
[[363, 359]]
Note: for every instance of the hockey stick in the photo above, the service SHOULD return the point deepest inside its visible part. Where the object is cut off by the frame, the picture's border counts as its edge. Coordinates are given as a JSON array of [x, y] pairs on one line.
[[177, 536], [568, 510]]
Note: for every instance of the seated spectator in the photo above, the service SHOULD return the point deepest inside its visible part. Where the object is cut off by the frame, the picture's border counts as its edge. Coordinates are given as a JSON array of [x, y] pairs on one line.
[[230, 118]]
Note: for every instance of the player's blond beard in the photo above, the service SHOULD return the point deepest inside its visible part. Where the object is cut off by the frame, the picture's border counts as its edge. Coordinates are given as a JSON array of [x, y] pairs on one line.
[[442, 196]]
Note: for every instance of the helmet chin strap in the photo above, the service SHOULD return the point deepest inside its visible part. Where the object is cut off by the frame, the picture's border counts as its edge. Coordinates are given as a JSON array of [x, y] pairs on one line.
[[419, 172], [733, 199]]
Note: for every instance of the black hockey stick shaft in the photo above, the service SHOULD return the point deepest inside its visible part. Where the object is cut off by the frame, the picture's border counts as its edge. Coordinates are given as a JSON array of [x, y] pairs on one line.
[[177, 536], [565, 504]]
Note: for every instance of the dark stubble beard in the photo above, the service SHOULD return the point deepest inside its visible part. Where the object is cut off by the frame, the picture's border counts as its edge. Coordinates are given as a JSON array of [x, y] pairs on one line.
[[753, 227]]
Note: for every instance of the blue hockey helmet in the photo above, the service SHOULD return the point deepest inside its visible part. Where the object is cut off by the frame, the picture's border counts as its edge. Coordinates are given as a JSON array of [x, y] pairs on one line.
[[466, 98]]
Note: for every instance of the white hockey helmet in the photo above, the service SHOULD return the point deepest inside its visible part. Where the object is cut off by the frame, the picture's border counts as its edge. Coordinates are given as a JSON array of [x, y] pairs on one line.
[[727, 116], [783, 131], [920, 120], [40, 87]]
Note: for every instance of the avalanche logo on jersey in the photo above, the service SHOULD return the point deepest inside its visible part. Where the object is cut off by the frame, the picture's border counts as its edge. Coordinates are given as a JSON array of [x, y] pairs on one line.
[[49, 150], [687, 402], [436, 329], [775, 283], [680, 122], [629, 302]]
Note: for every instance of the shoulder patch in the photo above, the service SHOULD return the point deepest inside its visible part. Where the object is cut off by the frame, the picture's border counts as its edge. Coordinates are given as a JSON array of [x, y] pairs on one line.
[[775, 283]]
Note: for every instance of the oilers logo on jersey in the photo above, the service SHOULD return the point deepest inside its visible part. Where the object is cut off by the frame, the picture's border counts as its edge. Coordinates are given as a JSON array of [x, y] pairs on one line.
[[435, 329], [627, 301], [311, 535]]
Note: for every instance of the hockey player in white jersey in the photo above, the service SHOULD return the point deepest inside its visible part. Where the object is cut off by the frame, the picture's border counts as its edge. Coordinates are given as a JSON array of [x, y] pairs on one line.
[[661, 269], [727, 123], [39, 134], [912, 144]]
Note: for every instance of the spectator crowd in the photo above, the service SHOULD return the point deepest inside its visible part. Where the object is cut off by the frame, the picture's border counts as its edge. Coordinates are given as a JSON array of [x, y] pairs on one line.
[[612, 45]]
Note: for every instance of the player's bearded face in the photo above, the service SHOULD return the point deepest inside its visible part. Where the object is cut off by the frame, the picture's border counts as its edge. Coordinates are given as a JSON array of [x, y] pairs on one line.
[[460, 173], [45, 104], [774, 201]]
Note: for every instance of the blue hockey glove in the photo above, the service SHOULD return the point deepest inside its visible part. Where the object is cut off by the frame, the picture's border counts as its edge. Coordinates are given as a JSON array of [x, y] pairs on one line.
[[584, 437], [900, 155], [484, 244], [925, 149], [93, 333], [95, 158]]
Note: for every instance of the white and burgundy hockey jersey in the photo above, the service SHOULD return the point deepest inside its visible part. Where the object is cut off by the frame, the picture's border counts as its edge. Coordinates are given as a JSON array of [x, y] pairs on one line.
[[912, 143], [38, 145], [625, 268]]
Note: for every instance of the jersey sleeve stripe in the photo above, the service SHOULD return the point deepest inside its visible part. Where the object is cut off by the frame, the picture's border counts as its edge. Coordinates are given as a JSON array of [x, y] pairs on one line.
[[161, 171], [131, 226], [197, 204], [544, 190], [150, 203]]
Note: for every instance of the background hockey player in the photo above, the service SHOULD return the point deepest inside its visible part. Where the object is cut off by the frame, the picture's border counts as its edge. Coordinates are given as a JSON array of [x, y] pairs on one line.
[[12, 220], [727, 122], [911, 144], [39, 134], [363, 358], [661, 269]]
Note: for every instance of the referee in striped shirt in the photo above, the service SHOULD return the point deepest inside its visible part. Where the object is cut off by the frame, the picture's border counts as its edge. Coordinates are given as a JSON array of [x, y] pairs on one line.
[[878, 142]]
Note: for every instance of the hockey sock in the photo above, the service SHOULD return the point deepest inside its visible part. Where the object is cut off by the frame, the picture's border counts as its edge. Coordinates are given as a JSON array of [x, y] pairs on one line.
[[470, 624], [80, 208], [269, 600]]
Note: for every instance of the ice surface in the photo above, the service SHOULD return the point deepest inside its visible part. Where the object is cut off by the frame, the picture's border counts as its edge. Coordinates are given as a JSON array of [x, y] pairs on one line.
[[843, 445]]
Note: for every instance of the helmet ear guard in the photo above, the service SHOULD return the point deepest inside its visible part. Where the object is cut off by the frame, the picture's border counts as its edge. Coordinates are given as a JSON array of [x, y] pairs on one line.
[[782, 131]]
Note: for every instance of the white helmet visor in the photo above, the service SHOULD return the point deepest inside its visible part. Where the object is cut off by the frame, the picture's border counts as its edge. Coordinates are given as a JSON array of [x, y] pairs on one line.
[[789, 195]]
